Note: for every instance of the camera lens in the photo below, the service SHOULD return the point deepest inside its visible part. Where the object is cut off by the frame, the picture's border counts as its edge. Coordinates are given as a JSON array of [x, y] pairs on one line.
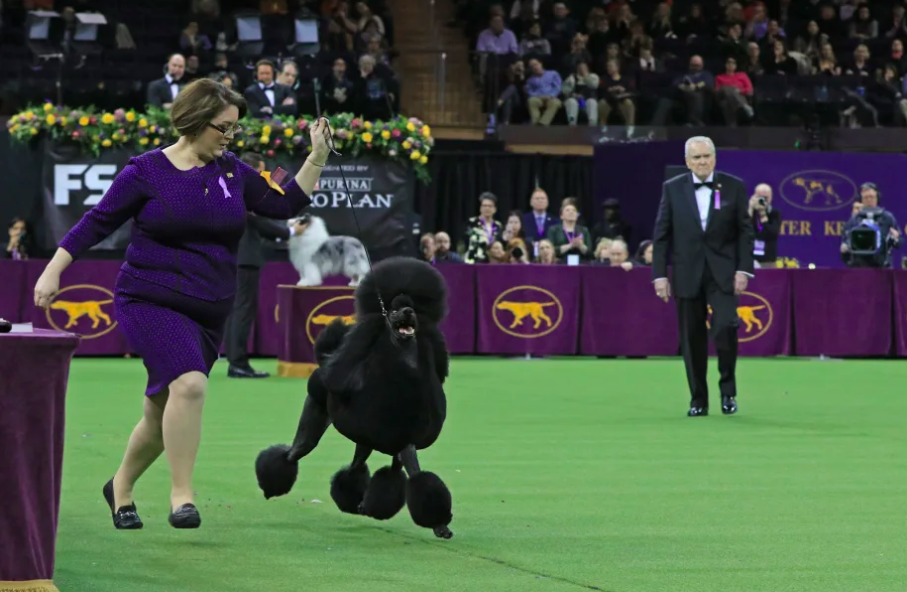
[[517, 252]]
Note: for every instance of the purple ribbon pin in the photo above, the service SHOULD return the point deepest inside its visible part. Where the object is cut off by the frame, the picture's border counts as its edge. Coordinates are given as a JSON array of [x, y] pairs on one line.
[[223, 185], [717, 200]]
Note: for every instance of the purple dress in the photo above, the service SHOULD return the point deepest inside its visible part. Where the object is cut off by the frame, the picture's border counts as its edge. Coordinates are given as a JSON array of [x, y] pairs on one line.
[[175, 290]]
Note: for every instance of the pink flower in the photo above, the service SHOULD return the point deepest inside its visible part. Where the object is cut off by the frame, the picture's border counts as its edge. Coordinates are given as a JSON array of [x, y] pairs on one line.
[[270, 153], [122, 131], [356, 123], [396, 133], [302, 124], [278, 142], [76, 134], [93, 120], [119, 114], [369, 145]]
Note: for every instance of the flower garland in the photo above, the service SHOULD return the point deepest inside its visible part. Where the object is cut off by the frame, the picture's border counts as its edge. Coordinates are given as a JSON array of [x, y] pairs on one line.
[[402, 139]]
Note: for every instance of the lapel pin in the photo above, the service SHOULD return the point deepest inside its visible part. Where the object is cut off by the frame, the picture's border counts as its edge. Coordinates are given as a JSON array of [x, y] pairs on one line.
[[718, 197], [229, 175]]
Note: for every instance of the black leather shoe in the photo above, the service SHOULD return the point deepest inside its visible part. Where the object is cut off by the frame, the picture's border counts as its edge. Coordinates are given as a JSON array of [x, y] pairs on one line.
[[697, 412], [729, 405], [124, 518], [237, 372], [185, 516]]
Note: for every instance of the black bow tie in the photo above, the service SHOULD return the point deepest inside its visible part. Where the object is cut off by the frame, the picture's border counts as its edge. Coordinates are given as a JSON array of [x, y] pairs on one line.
[[268, 87], [708, 184]]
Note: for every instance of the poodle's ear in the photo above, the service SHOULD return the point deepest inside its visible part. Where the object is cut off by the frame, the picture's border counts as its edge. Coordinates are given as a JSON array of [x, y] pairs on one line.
[[346, 368], [424, 285]]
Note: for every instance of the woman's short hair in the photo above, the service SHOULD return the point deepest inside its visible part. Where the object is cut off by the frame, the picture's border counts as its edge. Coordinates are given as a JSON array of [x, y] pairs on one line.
[[569, 201], [489, 196], [200, 102]]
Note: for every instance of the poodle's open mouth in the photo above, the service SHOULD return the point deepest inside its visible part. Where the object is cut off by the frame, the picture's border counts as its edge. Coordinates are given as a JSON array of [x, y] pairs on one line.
[[406, 330]]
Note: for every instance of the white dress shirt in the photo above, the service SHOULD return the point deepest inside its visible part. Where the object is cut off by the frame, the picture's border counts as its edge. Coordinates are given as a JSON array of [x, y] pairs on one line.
[[174, 86], [269, 92]]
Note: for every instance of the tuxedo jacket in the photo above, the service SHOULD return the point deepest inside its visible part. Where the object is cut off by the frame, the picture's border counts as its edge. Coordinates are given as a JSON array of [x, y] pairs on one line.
[[726, 245], [251, 249], [257, 99], [159, 92]]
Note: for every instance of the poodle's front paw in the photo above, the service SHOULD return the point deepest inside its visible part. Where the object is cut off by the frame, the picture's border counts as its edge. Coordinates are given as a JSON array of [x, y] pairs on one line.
[[442, 532], [354, 282]]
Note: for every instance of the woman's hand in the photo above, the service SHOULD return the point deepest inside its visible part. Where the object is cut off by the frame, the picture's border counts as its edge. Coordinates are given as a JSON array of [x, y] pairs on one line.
[[320, 134], [47, 287]]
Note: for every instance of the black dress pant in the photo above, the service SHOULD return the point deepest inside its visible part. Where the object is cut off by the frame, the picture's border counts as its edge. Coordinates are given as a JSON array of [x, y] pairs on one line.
[[239, 325], [696, 328]]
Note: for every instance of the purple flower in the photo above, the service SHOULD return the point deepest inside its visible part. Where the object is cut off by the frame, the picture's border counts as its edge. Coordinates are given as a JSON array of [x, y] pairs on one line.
[[119, 114]]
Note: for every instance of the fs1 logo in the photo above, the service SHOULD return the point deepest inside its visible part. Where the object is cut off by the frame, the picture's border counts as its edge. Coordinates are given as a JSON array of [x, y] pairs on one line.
[[96, 178]]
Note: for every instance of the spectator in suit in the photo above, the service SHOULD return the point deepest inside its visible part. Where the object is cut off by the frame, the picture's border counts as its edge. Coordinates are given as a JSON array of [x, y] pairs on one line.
[[266, 98], [766, 225], [570, 238], [543, 87], [537, 222], [251, 259], [371, 91], [289, 75], [443, 254], [338, 89], [163, 91]]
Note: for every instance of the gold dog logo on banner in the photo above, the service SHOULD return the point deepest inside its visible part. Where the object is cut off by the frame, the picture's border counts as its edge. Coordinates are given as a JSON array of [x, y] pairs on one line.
[[79, 312], [524, 317], [818, 190], [339, 307], [755, 315]]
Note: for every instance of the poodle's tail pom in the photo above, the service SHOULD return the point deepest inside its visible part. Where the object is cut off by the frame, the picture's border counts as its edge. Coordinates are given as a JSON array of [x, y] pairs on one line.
[[428, 500], [348, 487], [276, 473], [330, 339], [386, 494], [403, 275]]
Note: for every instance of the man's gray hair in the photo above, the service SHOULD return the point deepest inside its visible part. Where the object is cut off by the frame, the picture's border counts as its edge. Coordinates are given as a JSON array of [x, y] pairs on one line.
[[698, 140], [621, 244]]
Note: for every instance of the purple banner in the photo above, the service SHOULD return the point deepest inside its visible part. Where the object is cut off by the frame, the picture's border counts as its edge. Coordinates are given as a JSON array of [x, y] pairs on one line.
[[841, 312], [900, 311], [528, 310], [814, 191], [622, 316], [12, 296], [763, 314], [459, 328], [84, 306], [304, 313], [267, 321]]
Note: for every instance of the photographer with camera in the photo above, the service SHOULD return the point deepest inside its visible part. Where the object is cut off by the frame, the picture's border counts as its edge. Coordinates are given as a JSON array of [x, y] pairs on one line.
[[766, 226], [871, 233]]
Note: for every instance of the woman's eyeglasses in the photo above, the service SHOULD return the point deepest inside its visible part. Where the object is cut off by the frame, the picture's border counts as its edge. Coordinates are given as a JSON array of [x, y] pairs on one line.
[[227, 131]]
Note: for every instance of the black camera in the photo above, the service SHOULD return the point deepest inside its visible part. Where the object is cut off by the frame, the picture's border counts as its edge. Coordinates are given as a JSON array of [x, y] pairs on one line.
[[867, 237], [761, 201], [517, 253]]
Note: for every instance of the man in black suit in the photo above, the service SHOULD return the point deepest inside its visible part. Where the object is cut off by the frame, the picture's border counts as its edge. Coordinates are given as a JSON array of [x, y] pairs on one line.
[[537, 221], [267, 98], [703, 220], [251, 259], [162, 92]]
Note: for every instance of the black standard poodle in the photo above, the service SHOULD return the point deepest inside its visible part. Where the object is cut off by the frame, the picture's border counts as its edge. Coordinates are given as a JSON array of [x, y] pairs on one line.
[[380, 383]]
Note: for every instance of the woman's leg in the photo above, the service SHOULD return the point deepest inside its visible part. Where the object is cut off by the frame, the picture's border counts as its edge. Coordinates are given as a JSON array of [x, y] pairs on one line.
[[145, 445], [182, 429]]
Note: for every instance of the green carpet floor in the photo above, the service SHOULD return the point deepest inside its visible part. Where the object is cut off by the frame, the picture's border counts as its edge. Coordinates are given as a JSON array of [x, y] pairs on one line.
[[567, 475]]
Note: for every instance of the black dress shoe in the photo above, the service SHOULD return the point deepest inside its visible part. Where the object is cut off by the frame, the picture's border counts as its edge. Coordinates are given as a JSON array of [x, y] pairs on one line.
[[237, 372], [124, 518], [729, 405], [697, 412], [185, 516]]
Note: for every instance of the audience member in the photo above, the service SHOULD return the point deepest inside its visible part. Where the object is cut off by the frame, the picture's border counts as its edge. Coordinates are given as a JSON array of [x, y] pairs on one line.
[[542, 88], [864, 27], [569, 237], [580, 91], [643, 254], [766, 225], [514, 95], [193, 43], [517, 251], [617, 91], [692, 91], [482, 230], [733, 90], [612, 226], [338, 89], [428, 248], [289, 74], [371, 91], [267, 98], [17, 247], [533, 44], [163, 91], [443, 254], [546, 254], [497, 253], [537, 221], [619, 255], [513, 229], [602, 252], [559, 31], [497, 39]]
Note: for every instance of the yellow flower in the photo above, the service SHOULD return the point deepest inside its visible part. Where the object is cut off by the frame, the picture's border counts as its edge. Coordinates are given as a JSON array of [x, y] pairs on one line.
[[426, 131], [423, 160], [265, 139], [266, 130], [386, 135], [410, 127], [407, 145], [63, 121], [107, 118], [124, 138], [130, 116], [29, 115], [143, 141], [115, 137], [84, 120], [51, 119], [14, 128], [143, 122], [34, 131], [106, 143], [48, 107], [153, 129], [240, 144], [288, 132], [367, 137], [367, 125], [415, 155], [157, 141]]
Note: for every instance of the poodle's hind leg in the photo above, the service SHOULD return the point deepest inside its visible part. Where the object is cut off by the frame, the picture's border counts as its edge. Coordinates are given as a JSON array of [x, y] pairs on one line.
[[349, 484], [386, 493], [427, 497]]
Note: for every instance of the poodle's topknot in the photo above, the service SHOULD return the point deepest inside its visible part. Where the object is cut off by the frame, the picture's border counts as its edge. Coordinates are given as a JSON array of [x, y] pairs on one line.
[[403, 275]]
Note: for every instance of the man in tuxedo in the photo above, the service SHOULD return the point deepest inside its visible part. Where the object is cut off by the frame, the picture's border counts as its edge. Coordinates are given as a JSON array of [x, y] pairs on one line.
[[267, 98], [704, 221], [537, 222], [162, 92], [251, 259]]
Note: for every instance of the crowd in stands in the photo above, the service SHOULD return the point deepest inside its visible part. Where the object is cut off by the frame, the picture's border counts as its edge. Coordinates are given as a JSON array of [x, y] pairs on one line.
[[538, 237], [159, 47], [705, 62]]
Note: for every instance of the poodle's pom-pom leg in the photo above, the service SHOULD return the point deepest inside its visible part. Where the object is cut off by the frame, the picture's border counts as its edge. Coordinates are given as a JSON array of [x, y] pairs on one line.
[[276, 473], [348, 487], [386, 493], [429, 503]]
